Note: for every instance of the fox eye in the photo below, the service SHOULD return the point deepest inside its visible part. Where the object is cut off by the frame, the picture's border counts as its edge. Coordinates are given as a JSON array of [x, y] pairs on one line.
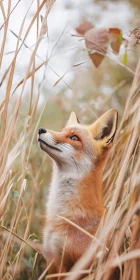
[[75, 138]]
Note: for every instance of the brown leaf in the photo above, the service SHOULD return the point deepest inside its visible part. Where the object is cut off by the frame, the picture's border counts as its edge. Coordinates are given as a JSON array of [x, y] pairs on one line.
[[115, 36], [84, 26], [115, 31], [96, 40], [115, 45], [96, 58]]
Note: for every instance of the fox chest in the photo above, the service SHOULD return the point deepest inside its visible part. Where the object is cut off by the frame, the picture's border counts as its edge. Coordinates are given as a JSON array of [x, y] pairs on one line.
[[63, 194], [69, 240], [59, 235]]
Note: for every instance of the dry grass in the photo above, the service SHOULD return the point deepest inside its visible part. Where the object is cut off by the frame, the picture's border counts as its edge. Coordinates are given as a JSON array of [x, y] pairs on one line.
[[21, 183], [17, 207]]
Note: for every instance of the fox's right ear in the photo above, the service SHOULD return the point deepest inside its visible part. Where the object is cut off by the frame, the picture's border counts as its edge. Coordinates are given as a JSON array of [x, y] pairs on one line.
[[72, 119], [104, 128]]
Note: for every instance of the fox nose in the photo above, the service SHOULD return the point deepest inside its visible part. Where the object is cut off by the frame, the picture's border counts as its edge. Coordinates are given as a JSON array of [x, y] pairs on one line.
[[42, 130]]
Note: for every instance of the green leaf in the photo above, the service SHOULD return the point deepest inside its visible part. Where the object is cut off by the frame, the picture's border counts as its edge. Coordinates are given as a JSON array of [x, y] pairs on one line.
[[121, 38], [125, 57]]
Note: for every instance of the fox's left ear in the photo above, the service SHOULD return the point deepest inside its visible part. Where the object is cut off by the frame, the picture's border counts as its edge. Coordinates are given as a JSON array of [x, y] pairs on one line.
[[104, 128], [72, 119]]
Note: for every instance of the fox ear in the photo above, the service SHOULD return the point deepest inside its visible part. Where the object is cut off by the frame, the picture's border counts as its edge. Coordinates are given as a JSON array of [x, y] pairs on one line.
[[72, 119], [104, 128]]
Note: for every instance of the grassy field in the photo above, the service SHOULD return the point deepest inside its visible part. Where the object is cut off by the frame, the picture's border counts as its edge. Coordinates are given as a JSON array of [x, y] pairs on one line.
[[25, 170]]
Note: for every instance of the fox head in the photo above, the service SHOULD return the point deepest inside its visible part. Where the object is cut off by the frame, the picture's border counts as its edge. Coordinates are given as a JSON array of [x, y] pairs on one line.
[[79, 146]]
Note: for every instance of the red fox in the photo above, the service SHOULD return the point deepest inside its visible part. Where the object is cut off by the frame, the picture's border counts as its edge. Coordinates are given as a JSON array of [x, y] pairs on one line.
[[79, 154]]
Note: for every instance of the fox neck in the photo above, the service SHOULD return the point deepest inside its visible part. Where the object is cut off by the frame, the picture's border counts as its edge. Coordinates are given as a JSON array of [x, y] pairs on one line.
[[72, 194], [91, 189]]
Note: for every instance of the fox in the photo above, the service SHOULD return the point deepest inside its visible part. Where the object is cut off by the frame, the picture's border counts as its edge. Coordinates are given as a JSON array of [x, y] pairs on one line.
[[79, 153]]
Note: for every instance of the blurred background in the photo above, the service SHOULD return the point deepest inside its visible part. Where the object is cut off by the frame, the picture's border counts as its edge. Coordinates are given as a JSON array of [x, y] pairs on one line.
[[50, 77]]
